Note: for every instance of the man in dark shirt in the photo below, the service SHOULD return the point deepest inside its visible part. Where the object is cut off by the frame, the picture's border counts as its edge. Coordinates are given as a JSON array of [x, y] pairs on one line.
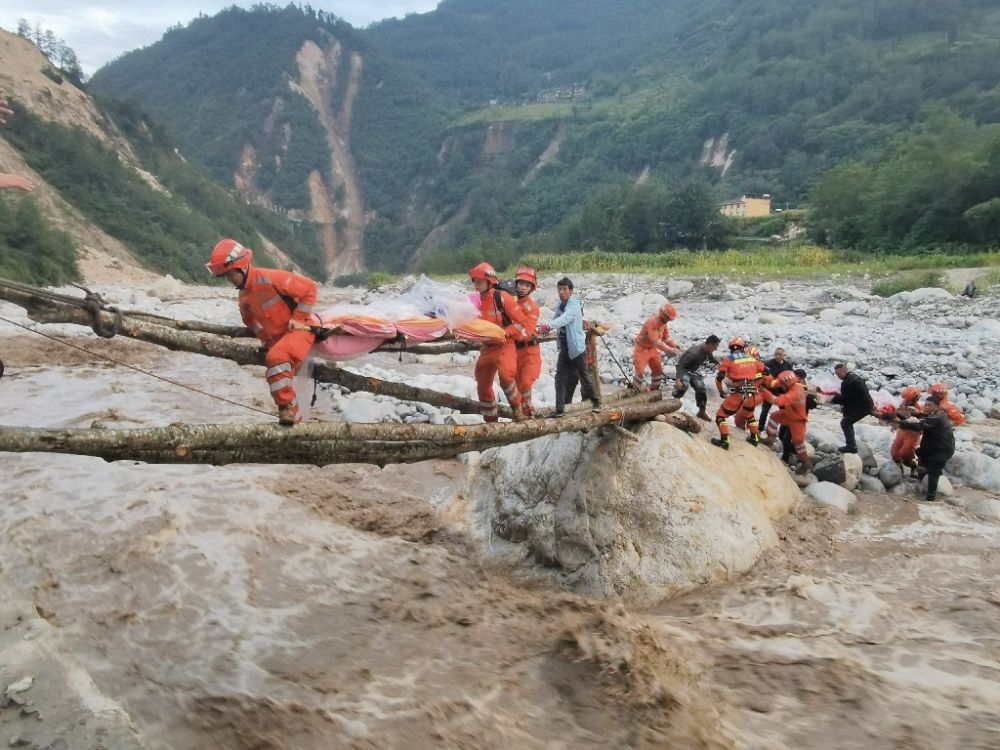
[[775, 366], [937, 445], [687, 373], [856, 402]]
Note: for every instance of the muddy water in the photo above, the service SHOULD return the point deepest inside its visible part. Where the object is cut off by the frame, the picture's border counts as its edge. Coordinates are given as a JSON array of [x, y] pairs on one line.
[[292, 607]]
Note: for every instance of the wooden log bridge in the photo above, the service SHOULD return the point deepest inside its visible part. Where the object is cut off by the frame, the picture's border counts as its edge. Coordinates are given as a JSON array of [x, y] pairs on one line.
[[314, 443], [227, 342]]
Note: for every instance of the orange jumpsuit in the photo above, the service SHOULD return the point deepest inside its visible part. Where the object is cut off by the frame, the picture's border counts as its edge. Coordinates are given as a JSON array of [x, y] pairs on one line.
[[268, 300], [793, 414], [743, 371], [529, 356], [500, 359], [954, 413], [653, 338], [904, 445]]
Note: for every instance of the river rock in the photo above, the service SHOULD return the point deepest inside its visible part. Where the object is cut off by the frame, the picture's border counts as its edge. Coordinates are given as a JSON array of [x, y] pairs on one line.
[[890, 474], [678, 288], [976, 470], [832, 495], [870, 484], [944, 489], [611, 526]]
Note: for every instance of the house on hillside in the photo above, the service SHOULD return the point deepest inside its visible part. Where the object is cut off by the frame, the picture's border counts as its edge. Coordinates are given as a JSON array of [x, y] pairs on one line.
[[748, 205]]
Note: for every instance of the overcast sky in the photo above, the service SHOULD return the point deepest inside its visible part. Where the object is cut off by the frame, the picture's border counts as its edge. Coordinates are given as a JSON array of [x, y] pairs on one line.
[[100, 30]]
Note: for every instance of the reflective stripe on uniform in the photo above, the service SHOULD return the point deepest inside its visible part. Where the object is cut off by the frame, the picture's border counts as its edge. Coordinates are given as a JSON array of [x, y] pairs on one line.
[[261, 279], [303, 308], [277, 385], [278, 369], [270, 303]]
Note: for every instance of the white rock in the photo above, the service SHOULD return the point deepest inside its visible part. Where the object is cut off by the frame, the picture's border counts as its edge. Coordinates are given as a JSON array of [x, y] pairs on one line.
[[678, 288], [831, 315], [366, 410], [630, 307], [167, 289], [944, 488], [853, 468], [774, 318], [928, 294], [769, 287], [594, 294], [965, 369], [976, 470], [870, 484], [833, 495], [984, 507]]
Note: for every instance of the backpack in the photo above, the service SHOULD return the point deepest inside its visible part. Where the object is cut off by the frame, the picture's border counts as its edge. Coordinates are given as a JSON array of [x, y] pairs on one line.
[[504, 286]]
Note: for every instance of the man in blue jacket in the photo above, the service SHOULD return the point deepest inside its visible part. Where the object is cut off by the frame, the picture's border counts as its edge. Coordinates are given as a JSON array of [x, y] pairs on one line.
[[571, 366]]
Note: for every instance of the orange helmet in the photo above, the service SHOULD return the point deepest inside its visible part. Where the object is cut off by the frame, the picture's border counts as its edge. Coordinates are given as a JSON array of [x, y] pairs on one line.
[[736, 343], [910, 394], [787, 377], [226, 256], [753, 351], [667, 312], [938, 389], [527, 273], [483, 272]]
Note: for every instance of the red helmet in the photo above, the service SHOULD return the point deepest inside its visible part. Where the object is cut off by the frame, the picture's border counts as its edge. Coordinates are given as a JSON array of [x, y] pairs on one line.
[[753, 351], [527, 273], [910, 394], [226, 256], [483, 272], [667, 312], [787, 377], [939, 389], [736, 343]]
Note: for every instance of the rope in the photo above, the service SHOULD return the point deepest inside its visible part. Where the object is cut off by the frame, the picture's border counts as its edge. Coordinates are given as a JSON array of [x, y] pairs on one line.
[[136, 369], [614, 359]]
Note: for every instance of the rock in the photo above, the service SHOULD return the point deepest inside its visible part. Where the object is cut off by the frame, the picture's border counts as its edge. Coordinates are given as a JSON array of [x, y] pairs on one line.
[[928, 294], [630, 307], [678, 288], [769, 287], [890, 474], [965, 369], [867, 457], [832, 495], [976, 470], [870, 484], [593, 294], [830, 315], [826, 441], [167, 289], [360, 409], [608, 526], [830, 469], [651, 303], [944, 486], [995, 411], [723, 312], [853, 468], [774, 318]]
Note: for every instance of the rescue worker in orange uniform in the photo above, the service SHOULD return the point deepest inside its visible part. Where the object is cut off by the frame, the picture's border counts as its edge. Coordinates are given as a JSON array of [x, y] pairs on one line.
[[501, 309], [954, 413], [529, 354], [277, 307], [760, 382], [904, 445], [653, 338], [792, 413], [742, 370]]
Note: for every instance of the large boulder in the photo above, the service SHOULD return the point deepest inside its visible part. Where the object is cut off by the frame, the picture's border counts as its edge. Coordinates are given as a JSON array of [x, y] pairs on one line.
[[678, 288], [611, 517], [976, 470]]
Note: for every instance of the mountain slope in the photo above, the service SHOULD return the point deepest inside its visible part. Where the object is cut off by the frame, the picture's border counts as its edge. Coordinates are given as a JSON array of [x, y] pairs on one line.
[[111, 179]]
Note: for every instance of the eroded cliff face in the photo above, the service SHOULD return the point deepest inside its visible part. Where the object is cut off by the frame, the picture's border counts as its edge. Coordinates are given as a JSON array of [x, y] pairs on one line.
[[338, 205]]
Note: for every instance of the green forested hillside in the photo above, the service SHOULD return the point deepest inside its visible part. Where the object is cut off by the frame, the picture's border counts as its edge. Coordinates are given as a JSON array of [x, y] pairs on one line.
[[783, 90], [171, 232]]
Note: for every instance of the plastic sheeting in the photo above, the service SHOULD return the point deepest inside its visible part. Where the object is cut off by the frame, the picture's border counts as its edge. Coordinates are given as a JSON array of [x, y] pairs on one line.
[[447, 302]]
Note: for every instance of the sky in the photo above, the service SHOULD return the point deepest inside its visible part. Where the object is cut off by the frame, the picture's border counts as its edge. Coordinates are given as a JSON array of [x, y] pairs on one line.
[[100, 30]]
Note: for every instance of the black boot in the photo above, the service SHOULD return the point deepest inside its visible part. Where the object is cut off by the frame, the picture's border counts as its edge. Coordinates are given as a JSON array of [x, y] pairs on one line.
[[721, 442]]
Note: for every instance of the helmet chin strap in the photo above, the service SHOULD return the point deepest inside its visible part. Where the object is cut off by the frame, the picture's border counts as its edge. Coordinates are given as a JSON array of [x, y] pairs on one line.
[[245, 276]]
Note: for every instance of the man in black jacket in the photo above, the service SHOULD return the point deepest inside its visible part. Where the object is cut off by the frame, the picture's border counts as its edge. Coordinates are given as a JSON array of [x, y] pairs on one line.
[[856, 402], [775, 366], [687, 373], [937, 445]]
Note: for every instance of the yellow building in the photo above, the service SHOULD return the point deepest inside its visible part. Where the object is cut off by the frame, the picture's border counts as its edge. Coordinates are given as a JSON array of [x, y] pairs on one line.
[[748, 205]]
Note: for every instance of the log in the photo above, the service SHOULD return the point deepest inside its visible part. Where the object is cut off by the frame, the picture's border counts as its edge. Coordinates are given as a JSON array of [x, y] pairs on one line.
[[310, 443], [172, 335]]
